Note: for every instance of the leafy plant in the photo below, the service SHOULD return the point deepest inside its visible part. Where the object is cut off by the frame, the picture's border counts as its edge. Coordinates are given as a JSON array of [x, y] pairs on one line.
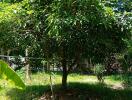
[[8, 74], [99, 70]]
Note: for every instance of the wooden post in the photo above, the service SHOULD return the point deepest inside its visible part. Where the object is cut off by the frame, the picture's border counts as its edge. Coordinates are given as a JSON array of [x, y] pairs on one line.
[[27, 64]]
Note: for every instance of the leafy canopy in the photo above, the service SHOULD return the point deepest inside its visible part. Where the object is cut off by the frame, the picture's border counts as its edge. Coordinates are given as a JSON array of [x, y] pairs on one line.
[[85, 28]]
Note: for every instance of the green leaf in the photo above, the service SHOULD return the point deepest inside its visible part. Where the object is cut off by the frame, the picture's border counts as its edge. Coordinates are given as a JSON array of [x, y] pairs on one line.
[[7, 73]]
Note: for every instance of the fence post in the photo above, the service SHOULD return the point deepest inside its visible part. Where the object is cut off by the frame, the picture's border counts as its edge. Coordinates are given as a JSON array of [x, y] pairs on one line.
[[27, 64]]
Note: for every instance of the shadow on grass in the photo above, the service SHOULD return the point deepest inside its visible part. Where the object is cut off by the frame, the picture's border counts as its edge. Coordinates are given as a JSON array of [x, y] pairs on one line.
[[30, 93], [75, 91], [101, 92]]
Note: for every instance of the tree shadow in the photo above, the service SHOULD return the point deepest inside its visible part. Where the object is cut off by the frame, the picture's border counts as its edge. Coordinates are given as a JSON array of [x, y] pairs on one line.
[[75, 91], [101, 92], [30, 93]]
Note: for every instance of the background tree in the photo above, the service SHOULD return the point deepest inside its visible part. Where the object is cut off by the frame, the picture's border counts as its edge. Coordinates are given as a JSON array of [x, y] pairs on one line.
[[9, 21]]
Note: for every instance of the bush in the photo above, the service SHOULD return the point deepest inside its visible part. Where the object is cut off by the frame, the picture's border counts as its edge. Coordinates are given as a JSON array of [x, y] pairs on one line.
[[99, 71]]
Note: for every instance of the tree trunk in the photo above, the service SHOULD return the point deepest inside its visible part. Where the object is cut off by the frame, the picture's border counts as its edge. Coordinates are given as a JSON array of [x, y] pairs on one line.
[[64, 76], [64, 66]]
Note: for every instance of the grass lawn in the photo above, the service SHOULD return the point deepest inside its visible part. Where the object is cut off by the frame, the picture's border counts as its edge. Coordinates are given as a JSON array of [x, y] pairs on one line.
[[80, 87]]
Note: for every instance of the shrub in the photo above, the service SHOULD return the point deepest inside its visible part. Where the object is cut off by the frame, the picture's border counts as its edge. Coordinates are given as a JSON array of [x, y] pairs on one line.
[[99, 71]]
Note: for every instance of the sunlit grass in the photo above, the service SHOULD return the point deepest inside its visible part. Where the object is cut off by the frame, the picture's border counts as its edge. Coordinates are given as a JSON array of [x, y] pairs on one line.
[[40, 82], [42, 78]]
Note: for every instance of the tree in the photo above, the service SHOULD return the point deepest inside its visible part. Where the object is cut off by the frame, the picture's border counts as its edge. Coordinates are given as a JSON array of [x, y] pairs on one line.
[[69, 30], [83, 29], [119, 5], [122, 9], [13, 33], [9, 21]]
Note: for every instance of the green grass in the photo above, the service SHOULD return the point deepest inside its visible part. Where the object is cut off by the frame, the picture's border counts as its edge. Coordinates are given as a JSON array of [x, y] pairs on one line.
[[80, 87]]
